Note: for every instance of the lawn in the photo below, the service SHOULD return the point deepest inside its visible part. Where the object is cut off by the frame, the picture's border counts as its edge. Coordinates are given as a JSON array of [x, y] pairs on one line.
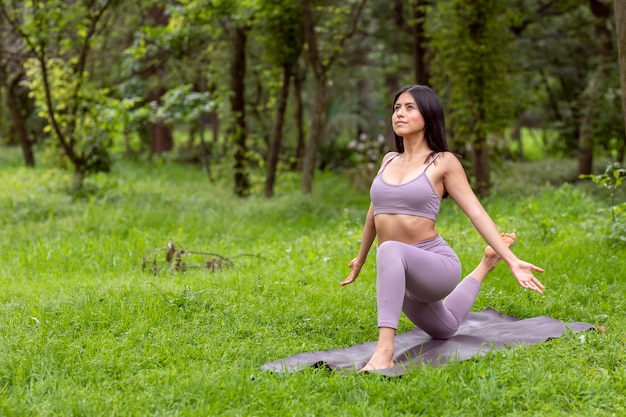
[[87, 331]]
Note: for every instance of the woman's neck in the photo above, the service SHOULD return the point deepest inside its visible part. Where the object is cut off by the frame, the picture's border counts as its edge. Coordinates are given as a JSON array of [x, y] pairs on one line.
[[416, 148]]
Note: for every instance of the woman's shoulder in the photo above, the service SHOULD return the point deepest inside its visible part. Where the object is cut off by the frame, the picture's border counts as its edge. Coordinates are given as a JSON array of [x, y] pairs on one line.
[[389, 155], [447, 157], [448, 161]]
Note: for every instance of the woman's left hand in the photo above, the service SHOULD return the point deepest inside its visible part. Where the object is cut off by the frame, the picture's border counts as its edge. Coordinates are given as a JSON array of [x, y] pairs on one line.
[[523, 272]]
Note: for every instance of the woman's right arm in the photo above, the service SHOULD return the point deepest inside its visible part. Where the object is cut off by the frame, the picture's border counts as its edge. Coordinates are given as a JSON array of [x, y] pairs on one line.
[[369, 234], [367, 239]]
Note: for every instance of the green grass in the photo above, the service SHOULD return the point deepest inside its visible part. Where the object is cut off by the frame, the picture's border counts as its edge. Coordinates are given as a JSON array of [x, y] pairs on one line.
[[87, 332]]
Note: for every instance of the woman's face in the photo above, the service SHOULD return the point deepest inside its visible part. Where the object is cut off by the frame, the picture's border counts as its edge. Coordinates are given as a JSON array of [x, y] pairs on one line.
[[407, 120]]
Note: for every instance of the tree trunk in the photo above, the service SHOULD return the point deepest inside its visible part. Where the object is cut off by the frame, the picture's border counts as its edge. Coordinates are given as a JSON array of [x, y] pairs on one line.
[[321, 67], [298, 79], [277, 134], [205, 151], [215, 136], [604, 48], [602, 13], [620, 24], [480, 156], [162, 139], [422, 74], [19, 122], [585, 138], [480, 151], [20, 127], [392, 84], [238, 109], [320, 72], [410, 19], [316, 134], [516, 136], [363, 109]]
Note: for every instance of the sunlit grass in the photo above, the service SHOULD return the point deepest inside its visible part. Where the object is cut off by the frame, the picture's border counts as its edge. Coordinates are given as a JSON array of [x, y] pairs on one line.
[[88, 332]]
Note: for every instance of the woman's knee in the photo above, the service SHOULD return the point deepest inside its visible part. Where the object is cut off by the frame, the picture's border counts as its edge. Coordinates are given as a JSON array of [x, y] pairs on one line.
[[441, 333], [430, 319], [389, 249]]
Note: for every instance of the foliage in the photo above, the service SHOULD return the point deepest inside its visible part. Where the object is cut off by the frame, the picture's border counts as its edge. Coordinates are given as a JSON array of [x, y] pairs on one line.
[[60, 36], [99, 116], [181, 105], [324, 47], [607, 118], [280, 28], [493, 61], [611, 180], [472, 42], [555, 53]]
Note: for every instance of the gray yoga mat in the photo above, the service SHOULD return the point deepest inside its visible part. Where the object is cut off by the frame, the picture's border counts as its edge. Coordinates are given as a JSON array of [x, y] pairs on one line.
[[480, 333]]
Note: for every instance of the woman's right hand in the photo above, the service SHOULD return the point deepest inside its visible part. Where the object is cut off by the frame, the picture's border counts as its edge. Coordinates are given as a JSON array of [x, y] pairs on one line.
[[355, 265]]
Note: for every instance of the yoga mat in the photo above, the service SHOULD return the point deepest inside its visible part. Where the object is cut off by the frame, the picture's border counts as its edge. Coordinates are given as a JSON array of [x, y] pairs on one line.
[[481, 332]]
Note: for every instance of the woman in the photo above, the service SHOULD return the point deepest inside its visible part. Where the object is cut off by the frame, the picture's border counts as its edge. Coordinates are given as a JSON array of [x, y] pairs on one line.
[[416, 269]]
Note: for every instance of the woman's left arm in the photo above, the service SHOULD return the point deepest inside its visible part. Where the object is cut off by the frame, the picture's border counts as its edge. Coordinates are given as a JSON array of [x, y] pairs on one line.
[[456, 184]]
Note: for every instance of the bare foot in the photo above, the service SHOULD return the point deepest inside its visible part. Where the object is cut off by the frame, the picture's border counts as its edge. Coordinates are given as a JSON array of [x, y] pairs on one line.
[[380, 360], [491, 258]]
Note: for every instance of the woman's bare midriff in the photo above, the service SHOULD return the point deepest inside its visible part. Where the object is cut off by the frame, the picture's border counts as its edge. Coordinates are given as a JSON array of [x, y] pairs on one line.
[[404, 228]]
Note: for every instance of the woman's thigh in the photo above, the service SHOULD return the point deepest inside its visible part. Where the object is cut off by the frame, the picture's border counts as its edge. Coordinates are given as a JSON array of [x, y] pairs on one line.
[[432, 269]]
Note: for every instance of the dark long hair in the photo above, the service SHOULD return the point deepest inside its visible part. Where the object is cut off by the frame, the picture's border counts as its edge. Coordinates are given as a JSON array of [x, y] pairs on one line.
[[431, 108]]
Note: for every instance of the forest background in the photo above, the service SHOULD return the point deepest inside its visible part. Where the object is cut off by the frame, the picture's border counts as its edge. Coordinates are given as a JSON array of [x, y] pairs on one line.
[[303, 85], [131, 131]]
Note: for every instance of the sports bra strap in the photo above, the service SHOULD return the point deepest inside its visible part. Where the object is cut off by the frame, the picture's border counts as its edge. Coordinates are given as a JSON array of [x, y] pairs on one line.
[[387, 163], [398, 154], [431, 162]]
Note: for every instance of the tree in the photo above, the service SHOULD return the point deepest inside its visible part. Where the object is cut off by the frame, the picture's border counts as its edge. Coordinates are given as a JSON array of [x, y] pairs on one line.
[[161, 136], [570, 76], [238, 34], [394, 51], [470, 41], [182, 105], [619, 7], [168, 50], [228, 24], [412, 23], [60, 36], [340, 24], [12, 57], [283, 42], [604, 52]]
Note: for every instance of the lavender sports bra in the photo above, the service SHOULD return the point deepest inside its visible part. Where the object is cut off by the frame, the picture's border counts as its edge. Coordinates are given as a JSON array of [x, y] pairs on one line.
[[414, 198]]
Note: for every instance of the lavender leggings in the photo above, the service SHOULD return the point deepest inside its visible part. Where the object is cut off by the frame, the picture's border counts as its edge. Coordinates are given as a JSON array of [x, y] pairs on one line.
[[415, 279]]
